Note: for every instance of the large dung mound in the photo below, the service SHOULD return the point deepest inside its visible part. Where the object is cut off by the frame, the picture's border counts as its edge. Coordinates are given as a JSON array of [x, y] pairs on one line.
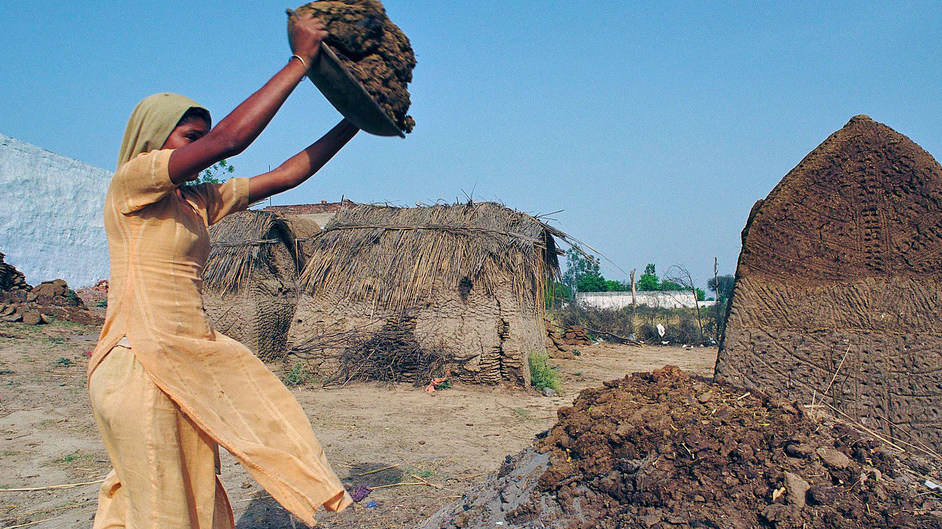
[[663, 450], [839, 282], [374, 49]]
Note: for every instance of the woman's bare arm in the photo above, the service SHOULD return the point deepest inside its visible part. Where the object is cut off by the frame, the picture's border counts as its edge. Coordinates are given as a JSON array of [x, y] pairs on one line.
[[240, 128], [301, 166]]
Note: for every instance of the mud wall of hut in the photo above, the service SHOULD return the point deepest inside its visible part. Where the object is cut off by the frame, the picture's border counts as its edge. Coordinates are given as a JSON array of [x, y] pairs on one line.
[[484, 338]]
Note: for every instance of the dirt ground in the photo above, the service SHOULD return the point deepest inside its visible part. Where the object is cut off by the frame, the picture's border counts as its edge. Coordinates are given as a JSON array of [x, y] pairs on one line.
[[433, 447]]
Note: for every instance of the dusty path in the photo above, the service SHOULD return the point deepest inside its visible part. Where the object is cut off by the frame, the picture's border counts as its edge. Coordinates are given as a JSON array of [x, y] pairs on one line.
[[450, 439]]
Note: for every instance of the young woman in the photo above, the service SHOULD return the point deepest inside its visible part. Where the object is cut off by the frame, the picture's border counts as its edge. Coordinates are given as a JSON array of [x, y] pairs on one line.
[[165, 388]]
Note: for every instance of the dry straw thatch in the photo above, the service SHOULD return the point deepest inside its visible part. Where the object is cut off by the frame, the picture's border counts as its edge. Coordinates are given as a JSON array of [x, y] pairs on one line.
[[250, 279], [467, 280], [482, 242]]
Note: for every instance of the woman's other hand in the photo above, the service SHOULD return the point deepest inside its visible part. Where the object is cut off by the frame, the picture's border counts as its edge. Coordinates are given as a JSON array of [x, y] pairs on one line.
[[305, 34]]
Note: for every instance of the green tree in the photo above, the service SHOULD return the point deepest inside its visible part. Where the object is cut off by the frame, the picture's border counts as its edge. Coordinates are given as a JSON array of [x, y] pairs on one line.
[[722, 286], [670, 286], [616, 286], [582, 272], [649, 279], [214, 174], [557, 293]]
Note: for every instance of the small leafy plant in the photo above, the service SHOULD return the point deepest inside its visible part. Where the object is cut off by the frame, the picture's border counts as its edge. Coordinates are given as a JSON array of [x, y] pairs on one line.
[[542, 374], [297, 376]]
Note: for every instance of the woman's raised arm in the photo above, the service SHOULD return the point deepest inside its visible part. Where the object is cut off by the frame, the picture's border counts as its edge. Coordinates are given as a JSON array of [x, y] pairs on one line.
[[240, 128], [301, 166]]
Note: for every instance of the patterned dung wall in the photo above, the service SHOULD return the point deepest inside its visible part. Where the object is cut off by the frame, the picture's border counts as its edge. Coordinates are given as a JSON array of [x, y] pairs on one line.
[[839, 285]]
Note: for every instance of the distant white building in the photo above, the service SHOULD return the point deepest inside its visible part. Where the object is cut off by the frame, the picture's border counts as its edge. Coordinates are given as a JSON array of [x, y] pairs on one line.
[[51, 222], [658, 299]]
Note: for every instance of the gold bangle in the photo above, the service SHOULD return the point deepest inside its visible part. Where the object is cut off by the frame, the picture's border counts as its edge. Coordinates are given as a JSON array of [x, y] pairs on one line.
[[303, 62]]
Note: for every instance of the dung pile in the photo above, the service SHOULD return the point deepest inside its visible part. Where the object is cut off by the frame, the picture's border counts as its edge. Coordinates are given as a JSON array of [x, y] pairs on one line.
[[374, 49], [11, 279], [56, 292], [663, 450], [47, 301], [564, 341], [576, 335], [14, 312], [839, 282]]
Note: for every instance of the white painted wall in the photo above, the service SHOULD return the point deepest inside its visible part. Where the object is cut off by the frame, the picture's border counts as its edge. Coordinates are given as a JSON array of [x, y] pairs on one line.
[[617, 300], [51, 223]]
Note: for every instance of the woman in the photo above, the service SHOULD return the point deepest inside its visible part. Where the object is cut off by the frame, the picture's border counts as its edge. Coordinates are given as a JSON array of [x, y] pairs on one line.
[[164, 387]]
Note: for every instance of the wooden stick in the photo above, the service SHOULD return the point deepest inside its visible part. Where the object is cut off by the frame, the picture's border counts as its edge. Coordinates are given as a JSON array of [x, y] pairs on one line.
[[27, 524], [403, 484], [836, 371], [375, 471], [426, 482], [51, 487]]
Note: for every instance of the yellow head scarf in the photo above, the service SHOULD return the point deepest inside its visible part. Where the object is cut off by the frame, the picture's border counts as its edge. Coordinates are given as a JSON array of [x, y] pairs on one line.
[[151, 123]]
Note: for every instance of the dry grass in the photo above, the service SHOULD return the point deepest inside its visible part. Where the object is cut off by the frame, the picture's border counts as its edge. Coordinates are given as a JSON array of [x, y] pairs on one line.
[[241, 244], [396, 257]]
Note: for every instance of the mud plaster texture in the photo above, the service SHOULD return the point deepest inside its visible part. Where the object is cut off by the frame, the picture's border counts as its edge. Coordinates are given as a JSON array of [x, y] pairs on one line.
[[839, 285], [663, 449], [258, 310], [486, 338], [374, 49], [409, 294]]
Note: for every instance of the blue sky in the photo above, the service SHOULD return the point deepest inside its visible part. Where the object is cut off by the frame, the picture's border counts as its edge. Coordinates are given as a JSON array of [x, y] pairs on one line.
[[654, 126]]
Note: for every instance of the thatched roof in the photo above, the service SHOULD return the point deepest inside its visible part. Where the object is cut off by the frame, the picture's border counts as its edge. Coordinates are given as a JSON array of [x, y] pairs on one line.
[[395, 257], [242, 242]]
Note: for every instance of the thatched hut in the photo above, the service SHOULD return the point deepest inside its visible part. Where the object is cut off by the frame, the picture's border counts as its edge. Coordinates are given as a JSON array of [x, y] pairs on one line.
[[838, 286], [250, 282], [409, 293]]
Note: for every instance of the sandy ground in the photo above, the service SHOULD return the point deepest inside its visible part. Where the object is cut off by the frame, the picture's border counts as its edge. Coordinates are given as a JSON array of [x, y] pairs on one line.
[[432, 446]]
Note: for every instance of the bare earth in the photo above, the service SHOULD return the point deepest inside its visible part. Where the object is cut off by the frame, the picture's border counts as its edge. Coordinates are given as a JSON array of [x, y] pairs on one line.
[[436, 445]]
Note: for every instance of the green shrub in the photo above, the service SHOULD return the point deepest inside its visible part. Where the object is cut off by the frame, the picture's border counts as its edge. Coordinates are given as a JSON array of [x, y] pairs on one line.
[[72, 296], [543, 375], [297, 376]]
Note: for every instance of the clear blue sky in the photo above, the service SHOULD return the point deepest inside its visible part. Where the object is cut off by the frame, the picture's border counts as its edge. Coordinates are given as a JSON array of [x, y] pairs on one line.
[[655, 126]]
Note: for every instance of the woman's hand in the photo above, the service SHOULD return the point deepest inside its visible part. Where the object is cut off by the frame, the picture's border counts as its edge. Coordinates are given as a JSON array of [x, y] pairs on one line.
[[305, 34], [240, 128]]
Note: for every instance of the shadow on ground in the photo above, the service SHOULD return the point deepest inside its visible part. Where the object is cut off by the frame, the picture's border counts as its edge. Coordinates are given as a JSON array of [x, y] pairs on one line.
[[263, 512]]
